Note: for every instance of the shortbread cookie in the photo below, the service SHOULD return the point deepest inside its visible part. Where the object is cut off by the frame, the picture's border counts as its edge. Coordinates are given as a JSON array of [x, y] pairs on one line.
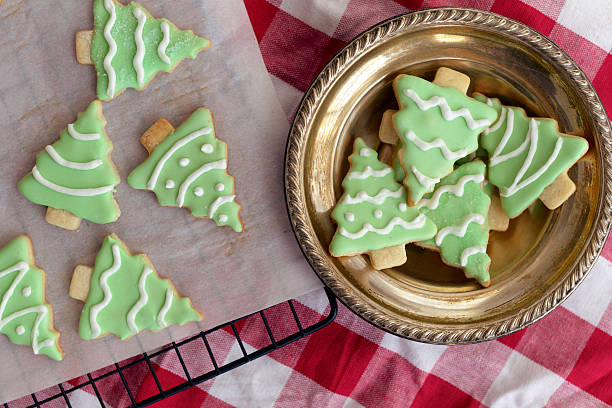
[[128, 46], [124, 295], [527, 155], [75, 176], [25, 316], [437, 125], [459, 206], [187, 167], [372, 214]]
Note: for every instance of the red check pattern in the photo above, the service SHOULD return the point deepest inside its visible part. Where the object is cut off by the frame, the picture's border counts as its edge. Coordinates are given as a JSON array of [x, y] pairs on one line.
[[563, 360]]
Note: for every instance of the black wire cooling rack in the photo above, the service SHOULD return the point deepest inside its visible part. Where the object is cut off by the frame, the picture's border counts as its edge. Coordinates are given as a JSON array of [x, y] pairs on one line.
[[203, 349]]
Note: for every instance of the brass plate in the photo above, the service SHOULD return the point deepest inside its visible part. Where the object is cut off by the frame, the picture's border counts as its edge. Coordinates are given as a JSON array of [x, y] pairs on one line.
[[543, 256]]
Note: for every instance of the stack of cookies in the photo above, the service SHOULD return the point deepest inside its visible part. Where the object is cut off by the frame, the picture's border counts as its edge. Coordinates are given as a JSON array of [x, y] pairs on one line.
[[449, 169]]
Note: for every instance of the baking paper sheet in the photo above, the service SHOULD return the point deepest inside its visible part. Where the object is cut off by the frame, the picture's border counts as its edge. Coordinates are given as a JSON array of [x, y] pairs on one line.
[[227, 275]]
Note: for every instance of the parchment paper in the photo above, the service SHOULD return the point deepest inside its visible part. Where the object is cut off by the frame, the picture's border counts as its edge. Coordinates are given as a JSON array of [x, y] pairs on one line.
[[227, 275]]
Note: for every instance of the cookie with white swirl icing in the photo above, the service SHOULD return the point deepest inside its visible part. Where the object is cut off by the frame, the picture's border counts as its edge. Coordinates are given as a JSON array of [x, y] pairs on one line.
[[128, 46], [526, 156], [124, 295]]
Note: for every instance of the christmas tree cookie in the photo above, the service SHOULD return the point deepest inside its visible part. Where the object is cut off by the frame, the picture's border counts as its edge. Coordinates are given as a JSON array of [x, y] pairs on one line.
[[526, 156], [25, 317], [372, 214], [437, 124], [75, 176], [459, 206], [124, 295], [128, 46], [187, 167]]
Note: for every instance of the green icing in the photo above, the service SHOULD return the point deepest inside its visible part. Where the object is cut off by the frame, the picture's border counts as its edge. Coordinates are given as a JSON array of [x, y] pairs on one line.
[[370, 189], [123, 277], [25, 317], [196, 152], [459, 201], [437, 126], [181, 45], [520, 168], [48, 186]]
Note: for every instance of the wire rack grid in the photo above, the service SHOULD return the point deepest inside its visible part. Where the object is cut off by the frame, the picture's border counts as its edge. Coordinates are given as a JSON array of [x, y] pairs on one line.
[[205, 349]]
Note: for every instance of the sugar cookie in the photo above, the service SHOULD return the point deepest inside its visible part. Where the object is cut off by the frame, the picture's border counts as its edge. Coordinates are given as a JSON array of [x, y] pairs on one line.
[[372, 214], [437, 125], [124, 295], [128, 46], [75, 176], [22, 286], [527, 156], [187, 167], [459, 206]]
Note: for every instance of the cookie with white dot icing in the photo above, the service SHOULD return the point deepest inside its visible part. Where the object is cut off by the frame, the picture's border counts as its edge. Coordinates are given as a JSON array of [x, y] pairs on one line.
[[372, 214], [25, 316], [187, 167]]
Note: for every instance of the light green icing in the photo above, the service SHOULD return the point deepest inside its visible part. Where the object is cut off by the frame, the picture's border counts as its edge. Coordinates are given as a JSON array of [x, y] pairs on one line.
[[182, 44], [23, 300], [98, 208], [453, 210], [393, 209], [536, 166], [431, 126], [172, 175], [125, 293]]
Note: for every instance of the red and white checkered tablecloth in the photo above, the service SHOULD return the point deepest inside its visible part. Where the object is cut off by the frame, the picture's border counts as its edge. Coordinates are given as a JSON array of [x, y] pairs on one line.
[[564, 360]]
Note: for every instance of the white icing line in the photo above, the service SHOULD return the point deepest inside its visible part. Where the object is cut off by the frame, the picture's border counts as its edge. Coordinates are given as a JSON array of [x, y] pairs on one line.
[[497, 157], [427, 182], [447, 112], [86, 137], [142, 301], [500, 121], [457, 189], [23, 268], [140, 45], [217, 165], [218, 203], [96, 309], [42, 310], [518, 186], [362, 196], [436, 143], [368, 172], [78, 192], [161, 317], [70, 164], [459, 230], [180, 143], [112, 47], [489, 102], [467, 252], [161, 49], [416, 223]]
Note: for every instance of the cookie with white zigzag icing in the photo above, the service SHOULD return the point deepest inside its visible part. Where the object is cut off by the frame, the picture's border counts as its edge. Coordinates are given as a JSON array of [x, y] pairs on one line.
[[459, 207], [436, 125]]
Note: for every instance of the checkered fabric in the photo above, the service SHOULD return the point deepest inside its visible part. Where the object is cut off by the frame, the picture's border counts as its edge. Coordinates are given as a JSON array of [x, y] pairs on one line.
[[564, 360]]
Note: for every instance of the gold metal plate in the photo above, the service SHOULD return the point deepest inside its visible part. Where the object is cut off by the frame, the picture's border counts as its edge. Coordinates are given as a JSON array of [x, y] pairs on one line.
[[544, 255]]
